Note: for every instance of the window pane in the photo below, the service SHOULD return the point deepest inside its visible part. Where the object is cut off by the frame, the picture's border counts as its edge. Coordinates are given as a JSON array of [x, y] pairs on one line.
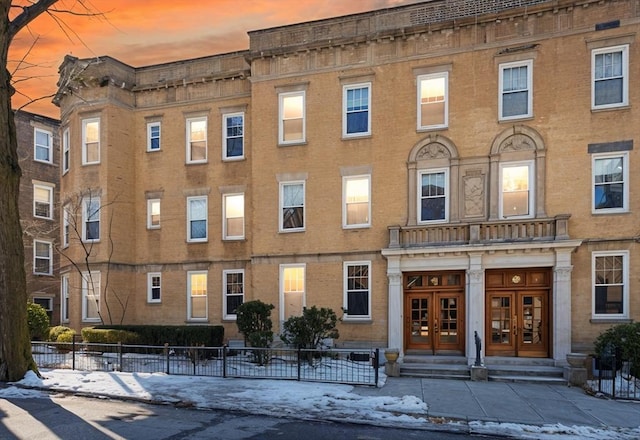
[[234, 147], [198, 229], [93, 152], [514, 104], [609, 289], [433, 199], [609, 183], [357, 303], [357, 201], [432, 100], [233, 302], [292, 129], [357, 110], [515, 190], [292, 107], [154, 213]]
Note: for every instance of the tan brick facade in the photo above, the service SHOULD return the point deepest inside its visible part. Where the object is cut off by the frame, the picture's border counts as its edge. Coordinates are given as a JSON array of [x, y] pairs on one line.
[[39, 155], [558, 139]]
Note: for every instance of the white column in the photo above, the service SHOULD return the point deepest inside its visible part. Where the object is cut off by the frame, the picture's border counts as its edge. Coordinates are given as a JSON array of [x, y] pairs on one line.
[[562, 306], [475, 305], [395, 314]]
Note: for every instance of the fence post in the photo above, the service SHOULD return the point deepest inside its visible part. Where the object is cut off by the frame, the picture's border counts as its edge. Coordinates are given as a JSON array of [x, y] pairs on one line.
[[376, 366], [614, 367], [299, 363], [119, 355], [224, 361], [73, 352], [166, 355], [195, 359]]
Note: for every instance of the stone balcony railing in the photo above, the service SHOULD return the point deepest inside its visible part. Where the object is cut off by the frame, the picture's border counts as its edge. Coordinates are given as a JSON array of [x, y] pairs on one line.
[[498, 231]]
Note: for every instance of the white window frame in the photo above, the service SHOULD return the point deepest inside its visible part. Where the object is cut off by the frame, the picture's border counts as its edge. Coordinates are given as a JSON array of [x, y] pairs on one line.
[[86, 218], [625, 285], [226, 294], [226, 213], [283, 268], [190, 219], [85, 159], [94, 280], [64, 297], [345, 93], [624, 155], [422, 79], [625, 76], [346, 290], [190, 141], [532, 185], [66, 226], [150, 213], [447, 199], [191, 296], [151, 136], [151, 287], [282, 97], [49, 202], [66, 151], [346, 203], [48, 147], [45, 258], [225, 135], [282, 207], [529, 89]]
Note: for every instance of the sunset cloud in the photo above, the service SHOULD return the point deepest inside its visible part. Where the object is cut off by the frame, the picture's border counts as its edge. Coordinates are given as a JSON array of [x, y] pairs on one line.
[[147, 32]]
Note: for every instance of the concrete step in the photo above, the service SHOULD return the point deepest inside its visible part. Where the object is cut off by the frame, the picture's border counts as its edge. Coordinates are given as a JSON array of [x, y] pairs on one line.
[[441, 371]]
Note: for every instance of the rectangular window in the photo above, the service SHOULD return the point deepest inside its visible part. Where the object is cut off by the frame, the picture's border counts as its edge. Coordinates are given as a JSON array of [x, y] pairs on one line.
[[46, 303], [65, 226], [357, 201], [233, 215], [197, 296], [197, 218], [64, 298], [43, 201], [610, 188], [233, 136], [610, 77], [91, 296], [516, 97], [433, 103], [65, 151], [292, 290], [91, 219], [91, 141], [356, 115], [197, 140], [292, 206], [153, 214], [43, 145], [610, 284], [433, 190], [153, 136], [232, 292], [292, 118], [42, 258], [154, 286], [357, 294], [516, 189]]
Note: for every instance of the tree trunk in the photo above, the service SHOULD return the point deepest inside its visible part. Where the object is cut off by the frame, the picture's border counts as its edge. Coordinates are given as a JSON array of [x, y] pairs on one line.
[[15, 347]]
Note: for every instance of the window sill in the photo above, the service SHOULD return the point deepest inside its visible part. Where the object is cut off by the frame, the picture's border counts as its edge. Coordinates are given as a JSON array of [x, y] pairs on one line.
[[197, 321], [355, 227], [356, 136], [290, 231], [234, 240], [229, 320], [292, 144], [357, 321], [431, 129], [151, 303], [516, 119], [599, 320], [234, 159], [612, 108], [610, 212]]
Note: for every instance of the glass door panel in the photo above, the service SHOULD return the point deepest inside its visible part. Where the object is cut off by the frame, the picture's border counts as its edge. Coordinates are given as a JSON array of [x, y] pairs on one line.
[[420, 333]]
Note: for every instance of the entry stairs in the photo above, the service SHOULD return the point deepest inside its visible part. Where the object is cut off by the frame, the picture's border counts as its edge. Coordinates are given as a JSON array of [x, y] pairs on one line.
[[500, 369]]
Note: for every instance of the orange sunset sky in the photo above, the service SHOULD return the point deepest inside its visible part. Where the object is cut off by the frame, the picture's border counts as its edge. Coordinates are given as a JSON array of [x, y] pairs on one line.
[[144, 32]]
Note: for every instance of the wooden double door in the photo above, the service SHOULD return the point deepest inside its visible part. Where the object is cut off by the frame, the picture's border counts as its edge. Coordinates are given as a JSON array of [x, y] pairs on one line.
[[434, 312], [518, 313]]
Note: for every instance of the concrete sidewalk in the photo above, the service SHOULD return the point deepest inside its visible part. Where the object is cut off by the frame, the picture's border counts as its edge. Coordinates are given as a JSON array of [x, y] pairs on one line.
[[501, 402]]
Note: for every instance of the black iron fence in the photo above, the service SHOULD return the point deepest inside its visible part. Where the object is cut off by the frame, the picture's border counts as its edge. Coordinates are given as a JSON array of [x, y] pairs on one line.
[[617, 378], [356, 367]]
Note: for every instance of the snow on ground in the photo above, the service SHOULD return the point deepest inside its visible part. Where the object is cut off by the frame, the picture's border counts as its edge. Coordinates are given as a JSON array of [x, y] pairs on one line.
[[284, 398]]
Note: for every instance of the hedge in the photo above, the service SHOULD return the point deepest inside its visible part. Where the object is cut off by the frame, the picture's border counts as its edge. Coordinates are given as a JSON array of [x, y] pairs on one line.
[[177, 335]]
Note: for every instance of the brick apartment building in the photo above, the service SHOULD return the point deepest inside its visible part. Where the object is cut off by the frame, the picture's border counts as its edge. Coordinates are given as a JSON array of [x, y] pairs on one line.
[[427, 171], [38, 152]]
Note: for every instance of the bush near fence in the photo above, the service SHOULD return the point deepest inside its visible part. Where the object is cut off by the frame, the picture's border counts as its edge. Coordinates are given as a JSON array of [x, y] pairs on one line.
[[181, 335]]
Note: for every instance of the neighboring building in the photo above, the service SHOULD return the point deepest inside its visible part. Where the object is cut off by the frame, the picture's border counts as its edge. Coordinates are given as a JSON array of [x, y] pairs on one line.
[[432, 170], [38, 145]]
